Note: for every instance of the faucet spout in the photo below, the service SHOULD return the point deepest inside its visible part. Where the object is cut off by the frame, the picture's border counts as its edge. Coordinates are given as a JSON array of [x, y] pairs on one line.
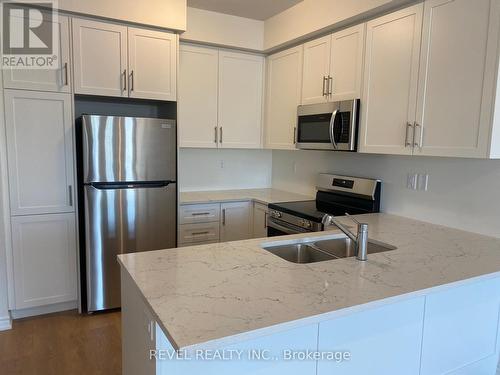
[[360, 239]]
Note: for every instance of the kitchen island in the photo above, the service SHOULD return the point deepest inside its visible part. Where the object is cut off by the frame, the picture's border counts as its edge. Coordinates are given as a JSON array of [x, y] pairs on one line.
[[429, 307]]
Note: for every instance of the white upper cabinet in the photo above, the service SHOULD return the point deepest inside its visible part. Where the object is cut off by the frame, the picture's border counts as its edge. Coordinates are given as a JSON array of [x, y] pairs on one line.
[[58, 80], [44, 255], [388, 103], [220, 98], [240, 99], [283, 95], [346, 63], [113, 60], [152, 64], [316, 70], [198, 83], [40, 152], [457, 68], [100, 58], [333, 66]]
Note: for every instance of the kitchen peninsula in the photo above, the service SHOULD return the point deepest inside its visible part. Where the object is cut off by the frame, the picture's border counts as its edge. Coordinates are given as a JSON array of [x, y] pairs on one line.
[[429, 307]]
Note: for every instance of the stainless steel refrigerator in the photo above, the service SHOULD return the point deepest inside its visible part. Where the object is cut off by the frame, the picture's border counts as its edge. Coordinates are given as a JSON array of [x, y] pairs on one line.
[[129, 168]]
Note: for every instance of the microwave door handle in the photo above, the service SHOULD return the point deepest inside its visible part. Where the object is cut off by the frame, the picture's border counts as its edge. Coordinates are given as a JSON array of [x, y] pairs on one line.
[[332, 125]]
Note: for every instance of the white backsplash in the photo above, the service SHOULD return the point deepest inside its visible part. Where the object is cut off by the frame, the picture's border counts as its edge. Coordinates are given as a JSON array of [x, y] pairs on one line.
[[462, 193], [221, 169]]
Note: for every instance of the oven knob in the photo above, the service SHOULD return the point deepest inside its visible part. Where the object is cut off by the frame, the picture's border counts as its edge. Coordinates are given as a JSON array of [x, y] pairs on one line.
[[307, 224], [276, 214]]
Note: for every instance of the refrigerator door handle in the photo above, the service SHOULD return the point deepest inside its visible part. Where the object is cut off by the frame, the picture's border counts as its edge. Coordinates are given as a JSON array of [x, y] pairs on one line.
[[130, 185]]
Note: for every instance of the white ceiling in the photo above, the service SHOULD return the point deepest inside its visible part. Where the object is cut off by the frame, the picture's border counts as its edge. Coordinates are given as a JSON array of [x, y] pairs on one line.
[[255, 9]]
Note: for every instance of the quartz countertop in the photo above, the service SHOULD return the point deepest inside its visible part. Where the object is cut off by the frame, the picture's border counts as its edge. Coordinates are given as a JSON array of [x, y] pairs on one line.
[[265, 196], [217, 294]]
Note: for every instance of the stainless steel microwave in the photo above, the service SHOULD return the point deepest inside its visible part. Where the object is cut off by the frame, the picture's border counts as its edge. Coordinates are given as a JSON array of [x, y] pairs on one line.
[[328, 126]]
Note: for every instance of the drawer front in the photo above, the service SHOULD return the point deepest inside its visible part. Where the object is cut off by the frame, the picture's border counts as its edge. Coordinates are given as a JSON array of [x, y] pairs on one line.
[[199, 213], [195, 233]]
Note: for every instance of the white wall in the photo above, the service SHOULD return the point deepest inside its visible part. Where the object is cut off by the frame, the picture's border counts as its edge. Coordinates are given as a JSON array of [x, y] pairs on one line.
[[223, 30], [311, 16], [205, 169], [170, 14], [463, 193]]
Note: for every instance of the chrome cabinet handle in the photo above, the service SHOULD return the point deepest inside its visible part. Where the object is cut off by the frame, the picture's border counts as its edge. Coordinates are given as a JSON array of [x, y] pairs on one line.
[[330, 85], [200, 214], [409, 125], [215, 134], [265, 219], [418, 144], [295, 135], [70, 195], [124, 80], [66, 79], [220, 134], [132, 81], [200, 233], [325, 79], [332, 124], [223, 216]]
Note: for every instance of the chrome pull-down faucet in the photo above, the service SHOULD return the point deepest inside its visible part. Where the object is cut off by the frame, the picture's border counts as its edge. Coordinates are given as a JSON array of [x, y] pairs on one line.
[[360, 239]]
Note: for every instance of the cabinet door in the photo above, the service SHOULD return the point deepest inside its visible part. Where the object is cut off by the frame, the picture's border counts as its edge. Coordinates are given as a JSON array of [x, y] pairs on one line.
[[346, 63], [390, 82], [459, 51], [283, 95], [100, 58], [260, 213], [316, 70], [460, 328], [240, 100], [40, 152], [197, 106], [152, 64], [381, 341], [44, 253], [235, 221], [58, 80]]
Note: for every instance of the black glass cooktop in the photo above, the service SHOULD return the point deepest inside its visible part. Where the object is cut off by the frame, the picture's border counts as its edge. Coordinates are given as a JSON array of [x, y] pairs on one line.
[[326, 203]]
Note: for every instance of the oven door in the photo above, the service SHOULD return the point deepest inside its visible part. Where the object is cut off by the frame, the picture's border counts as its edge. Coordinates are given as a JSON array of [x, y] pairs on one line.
[[280, 228], [328, 126]]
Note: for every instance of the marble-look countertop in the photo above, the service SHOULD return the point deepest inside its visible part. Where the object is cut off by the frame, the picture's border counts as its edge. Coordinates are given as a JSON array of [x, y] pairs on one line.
[[217, 294], [265, 196]]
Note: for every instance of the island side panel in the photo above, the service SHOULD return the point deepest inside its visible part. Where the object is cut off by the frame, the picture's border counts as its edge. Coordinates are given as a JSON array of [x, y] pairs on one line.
[[138, 330]]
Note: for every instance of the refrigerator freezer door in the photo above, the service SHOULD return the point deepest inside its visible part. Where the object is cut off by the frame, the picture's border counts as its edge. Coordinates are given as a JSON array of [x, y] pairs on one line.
[[122, 221], [128, 149]]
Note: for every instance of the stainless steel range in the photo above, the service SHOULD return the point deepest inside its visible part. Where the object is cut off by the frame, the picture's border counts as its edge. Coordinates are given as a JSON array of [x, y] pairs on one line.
[[336, 195]]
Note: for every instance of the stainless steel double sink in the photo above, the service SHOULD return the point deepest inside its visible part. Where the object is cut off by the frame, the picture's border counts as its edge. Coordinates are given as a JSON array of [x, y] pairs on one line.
[[322, 249]]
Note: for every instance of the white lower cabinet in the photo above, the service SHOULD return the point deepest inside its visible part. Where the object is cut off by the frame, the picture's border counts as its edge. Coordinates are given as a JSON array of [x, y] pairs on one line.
[[199, 232], [381, 341], [235, 221], [260, 213], [461, 330], [44, 254]]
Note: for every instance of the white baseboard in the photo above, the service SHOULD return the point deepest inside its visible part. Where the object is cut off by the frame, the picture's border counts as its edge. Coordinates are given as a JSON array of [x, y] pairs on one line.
[[42, 310], [5, 323]]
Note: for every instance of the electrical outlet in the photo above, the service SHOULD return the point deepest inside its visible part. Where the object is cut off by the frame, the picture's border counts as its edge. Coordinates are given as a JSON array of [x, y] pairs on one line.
[[411, 181], [422, 181]]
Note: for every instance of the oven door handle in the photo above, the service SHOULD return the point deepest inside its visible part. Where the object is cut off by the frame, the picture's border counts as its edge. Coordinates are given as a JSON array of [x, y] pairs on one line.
[[284, 228], [332, 125]]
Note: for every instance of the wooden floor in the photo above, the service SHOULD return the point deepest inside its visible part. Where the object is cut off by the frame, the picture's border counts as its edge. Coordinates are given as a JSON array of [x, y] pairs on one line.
[[64, 343]]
